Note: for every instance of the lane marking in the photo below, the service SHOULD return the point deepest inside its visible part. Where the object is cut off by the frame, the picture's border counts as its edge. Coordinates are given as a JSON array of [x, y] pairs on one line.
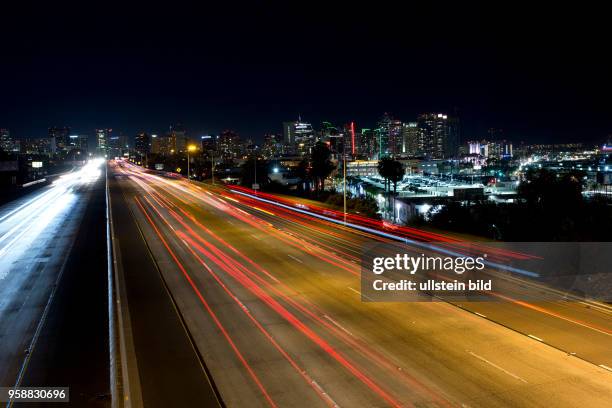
[[534, 337], [337, 324], [231, 199], [360, 294], [496, 366], [256, 237], [605, 367], [325, 394], [262, 210], [295, 259], [480, 314]]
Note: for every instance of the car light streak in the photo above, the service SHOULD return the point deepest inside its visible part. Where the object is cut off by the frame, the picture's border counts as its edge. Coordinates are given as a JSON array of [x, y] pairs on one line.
[[213, 315], [395, 237], [309, 380], [237, 271]]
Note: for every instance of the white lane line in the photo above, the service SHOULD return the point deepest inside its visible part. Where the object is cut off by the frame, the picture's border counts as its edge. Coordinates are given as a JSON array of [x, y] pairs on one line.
[[325, 394], [256, 237], [294, 258], [534, 337], [480, 314], [496, 366], [605, 367], [337, 324], [360, 294]]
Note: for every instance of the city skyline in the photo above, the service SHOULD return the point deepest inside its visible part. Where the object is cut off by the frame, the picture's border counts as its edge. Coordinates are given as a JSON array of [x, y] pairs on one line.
[[286, 204]]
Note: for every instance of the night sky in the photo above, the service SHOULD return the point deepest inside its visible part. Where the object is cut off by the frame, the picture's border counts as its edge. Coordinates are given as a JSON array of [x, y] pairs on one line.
[[540, 74]]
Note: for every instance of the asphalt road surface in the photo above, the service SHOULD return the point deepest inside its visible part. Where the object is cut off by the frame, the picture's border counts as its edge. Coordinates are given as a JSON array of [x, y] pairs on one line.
[[272, 302], [53, 294]]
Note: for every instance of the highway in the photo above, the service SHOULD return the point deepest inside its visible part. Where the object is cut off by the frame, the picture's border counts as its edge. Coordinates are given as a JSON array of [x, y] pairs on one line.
[[271, 299], [41, 334]]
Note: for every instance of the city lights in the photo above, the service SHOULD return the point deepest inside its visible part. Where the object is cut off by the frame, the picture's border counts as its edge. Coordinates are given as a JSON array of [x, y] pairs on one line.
[[294, 205]]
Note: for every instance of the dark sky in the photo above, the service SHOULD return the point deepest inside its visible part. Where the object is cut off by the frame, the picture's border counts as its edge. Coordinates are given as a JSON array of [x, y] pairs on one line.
[[540, 74]]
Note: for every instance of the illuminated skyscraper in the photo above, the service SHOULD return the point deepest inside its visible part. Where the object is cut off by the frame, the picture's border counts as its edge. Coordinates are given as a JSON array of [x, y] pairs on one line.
[[102, 140], [272, 146], [389, 133], [368, 144], [118, 145], [61, 135], [229, 144], [440, 135], [412, 140], [80, 142], [142, 143], [178, 137], [299, 136], [7, 143]]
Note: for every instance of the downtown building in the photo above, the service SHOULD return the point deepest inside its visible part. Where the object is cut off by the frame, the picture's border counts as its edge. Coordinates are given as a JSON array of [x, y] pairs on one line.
[[272, 146], [60, 136], [102, 141], [118, 145], [412, 140], [174, 141], [298, 137], [389, 136], [498, 149], [208, 145], [7, 143], [161, 145], [178, 138], [79, 142], [142, 143], [367, 147], [229, 145], [437, 136]]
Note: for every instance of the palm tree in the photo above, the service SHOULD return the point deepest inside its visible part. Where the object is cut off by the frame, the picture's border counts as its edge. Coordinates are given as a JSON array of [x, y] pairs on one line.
[[322, 165], [384, 170], [396, 174], [391, 171]]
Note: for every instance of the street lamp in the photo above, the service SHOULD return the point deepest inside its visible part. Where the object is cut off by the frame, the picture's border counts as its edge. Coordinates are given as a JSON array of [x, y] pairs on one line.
[[344, 179], [398, 206], [190, 148]]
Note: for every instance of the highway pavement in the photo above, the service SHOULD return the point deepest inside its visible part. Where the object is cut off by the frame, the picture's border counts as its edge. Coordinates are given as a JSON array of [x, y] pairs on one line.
[[53, 310], [272, 302]]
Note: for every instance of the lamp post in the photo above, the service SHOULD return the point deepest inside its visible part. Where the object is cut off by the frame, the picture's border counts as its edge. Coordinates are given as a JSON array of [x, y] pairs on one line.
[[398, 206], [212, 166], [190, 148], [344, 182]]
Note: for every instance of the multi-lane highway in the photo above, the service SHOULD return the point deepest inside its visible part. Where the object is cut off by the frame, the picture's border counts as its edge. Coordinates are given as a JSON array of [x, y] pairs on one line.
[[51, 313], [269, 300]]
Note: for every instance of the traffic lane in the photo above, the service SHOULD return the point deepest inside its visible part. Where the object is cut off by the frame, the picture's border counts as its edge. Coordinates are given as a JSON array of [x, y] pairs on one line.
[[585, 340], [73, 348], [282, 382], [589, 320], [393, 373], [336, 291], [11, 197], [28, 272], [169, 369], [572, 326], [462, 362]]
